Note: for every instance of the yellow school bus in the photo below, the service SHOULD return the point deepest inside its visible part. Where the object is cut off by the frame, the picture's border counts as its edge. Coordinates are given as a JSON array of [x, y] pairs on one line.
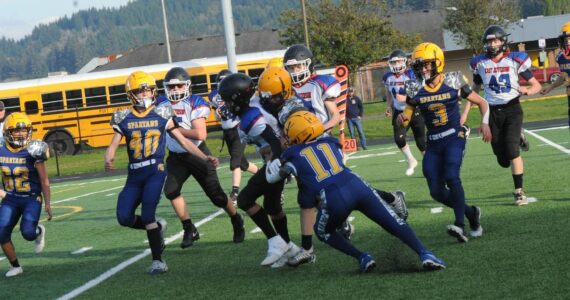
[[67, 111]]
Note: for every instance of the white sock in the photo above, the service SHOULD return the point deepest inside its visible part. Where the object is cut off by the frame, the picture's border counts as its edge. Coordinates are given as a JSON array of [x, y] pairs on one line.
[[407, 153]]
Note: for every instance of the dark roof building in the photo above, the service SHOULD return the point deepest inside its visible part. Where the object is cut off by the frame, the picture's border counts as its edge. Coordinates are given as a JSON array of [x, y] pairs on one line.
[[202, 47]]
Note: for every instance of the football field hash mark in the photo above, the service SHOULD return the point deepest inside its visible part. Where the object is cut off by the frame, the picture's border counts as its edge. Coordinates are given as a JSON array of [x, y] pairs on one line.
[[81, 250]]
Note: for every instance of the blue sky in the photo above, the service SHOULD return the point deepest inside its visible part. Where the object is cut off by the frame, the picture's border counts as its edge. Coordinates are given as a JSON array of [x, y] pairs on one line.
[[18, 17]]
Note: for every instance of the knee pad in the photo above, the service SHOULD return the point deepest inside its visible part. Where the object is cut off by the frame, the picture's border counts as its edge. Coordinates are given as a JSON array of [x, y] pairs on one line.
[[220, 201], [125, 219], [29, 233], [243, 203], [5, 235], [400, 141], [171, 195], [512, 151], [503, 161]]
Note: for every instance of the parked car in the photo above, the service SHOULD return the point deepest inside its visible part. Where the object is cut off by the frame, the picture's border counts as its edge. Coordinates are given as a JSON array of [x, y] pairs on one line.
[[552, 73]]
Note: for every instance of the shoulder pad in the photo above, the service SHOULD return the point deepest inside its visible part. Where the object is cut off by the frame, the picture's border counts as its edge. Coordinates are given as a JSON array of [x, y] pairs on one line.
[[119, 116], [386, 76], [455, 80], [38, 149], [412, 87], [165, 111], [292, 105]]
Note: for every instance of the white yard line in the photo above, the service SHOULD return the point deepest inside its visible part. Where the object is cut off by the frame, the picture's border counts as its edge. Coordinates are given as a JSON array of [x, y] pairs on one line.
[[85, 182], [81, 250], [88, 194], [372, 155], [549, 128], [116, 269], [549, 142]]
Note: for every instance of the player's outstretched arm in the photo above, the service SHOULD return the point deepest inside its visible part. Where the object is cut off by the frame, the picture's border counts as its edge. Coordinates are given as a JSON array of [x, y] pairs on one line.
[[110, 153], [484, 128], [46, 192], [558, 82]]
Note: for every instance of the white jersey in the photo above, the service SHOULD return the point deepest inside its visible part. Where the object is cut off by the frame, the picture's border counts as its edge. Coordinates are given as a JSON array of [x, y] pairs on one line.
[[316, 89], [395, 84], [501, 78], [186, 111], [254, 121]]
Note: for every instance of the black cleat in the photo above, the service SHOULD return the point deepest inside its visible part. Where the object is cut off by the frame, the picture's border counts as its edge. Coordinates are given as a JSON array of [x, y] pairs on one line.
[[191, 234]]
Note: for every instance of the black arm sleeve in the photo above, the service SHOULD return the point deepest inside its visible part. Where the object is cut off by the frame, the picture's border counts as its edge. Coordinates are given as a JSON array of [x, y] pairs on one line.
[[271, 138], [465, 91], [527, 75], [176, 125], [477, 79]]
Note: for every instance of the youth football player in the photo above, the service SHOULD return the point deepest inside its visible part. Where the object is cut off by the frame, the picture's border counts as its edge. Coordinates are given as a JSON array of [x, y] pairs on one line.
[[26, 186], [436, 94], [326, 183], [498, 70], [145, 127]]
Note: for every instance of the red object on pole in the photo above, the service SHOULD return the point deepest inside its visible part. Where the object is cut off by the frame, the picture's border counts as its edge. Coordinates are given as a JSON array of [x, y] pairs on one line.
[[341, 75]]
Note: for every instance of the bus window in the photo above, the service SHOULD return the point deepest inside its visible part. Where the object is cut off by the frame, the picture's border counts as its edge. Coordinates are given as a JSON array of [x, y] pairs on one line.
[[117, 94], [52, 101], [199, 85], [95, 96], [213, 82], [74, 99], [254, 74], [11, 105], [31, 107]]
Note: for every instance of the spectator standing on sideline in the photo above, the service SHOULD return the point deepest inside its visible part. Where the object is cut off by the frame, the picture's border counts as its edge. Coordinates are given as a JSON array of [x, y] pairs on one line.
[[354, 112]]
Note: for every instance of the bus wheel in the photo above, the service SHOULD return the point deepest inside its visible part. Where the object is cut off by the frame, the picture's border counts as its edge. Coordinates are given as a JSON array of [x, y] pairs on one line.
[[61, 142]]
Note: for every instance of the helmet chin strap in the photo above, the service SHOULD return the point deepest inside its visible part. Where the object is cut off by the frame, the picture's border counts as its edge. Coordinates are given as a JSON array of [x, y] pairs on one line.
[[145, 103]]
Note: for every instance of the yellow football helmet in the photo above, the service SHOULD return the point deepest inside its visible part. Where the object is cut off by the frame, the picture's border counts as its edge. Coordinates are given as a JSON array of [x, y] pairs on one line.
[[302, 127], [16, 121], [274, 62], [428, 53], [137, 81], [563, 38], [275, 86]]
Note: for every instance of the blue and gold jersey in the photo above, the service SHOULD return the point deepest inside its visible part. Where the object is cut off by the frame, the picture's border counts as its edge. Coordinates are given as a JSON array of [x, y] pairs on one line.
[[19, 174], [316, 165], [439, 106], [145, 132]]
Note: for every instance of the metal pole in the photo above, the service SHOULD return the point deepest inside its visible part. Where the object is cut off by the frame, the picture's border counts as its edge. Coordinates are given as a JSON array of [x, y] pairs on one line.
[[166, 32], [229, 35], [305, 23]]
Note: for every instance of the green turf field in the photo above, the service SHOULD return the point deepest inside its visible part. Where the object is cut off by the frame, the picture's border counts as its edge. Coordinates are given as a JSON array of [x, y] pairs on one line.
[[523, 253]]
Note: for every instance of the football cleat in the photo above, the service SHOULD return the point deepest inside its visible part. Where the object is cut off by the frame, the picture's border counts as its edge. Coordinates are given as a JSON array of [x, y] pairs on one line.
[[163, 226], [302, 257], [14, 271], [233, 197], [430, 262], [525, 145], [520, 198], [466, 131], [412, 164], [399, 204], [366, 262], [191, 234], [475, 224], [276, 248], [291, 252], [457, 232], [239, 230], [346, 229], [40, 241], [157, 267]]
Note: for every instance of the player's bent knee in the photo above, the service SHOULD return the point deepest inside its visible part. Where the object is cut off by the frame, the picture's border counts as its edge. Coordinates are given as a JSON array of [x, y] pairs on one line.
[[243, 203], [29, 233], [503, 162], [171, 195], [5, 236], [126, 220], [220, 201], [400, 142]]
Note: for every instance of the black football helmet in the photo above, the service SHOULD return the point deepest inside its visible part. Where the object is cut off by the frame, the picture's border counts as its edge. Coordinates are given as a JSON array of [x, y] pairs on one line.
[[397, 61], [495, 32], [299, 55], [177, 77], [222, 74], [236, 90]]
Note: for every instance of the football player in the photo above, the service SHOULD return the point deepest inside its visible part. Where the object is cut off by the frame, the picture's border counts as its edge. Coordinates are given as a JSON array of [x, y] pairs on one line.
[[396, 97], [191, 112], [238, 160], [26, 186], [259, 127], [436, 94], [563, 60], [498, 70], [326, 183], [145, 128]]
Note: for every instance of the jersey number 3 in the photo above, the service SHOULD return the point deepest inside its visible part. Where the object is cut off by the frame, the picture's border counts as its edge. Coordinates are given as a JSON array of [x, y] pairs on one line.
[[316, 164]]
